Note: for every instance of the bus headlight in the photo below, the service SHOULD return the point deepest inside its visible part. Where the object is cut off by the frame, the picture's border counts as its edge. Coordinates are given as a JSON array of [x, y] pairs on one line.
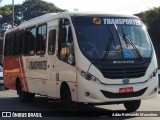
[[89, 77], [154, 73]]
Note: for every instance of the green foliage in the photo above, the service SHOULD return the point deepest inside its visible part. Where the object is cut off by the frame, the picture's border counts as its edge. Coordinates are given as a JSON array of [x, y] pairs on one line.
[[27, 10], [152, 19], [5, 10], [38, 7]]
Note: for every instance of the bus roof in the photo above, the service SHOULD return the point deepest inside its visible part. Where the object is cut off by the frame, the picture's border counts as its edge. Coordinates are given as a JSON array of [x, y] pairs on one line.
[[50, 16], [98, 14]]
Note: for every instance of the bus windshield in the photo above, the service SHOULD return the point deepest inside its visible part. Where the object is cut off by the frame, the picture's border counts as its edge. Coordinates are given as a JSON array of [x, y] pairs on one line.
[[112, 38]]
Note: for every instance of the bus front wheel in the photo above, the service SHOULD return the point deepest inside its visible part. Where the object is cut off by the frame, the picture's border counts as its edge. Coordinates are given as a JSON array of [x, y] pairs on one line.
[[132, 106], [66, 99]]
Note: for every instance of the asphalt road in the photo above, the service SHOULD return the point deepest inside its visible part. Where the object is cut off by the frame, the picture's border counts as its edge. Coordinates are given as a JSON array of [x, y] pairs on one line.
[[9, 102]]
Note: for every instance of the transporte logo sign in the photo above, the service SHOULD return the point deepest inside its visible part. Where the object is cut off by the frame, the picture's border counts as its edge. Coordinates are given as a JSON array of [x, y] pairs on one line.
[[117, 21], [96, 21]]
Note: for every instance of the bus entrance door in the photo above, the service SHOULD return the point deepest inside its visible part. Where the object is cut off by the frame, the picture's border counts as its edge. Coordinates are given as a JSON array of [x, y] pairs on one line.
[[51, 82]]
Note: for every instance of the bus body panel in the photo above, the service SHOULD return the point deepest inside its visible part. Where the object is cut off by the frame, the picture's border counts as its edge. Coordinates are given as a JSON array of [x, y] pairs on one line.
[[154, 59], [9, 68], [66, 72], [36, 75], [96, 95], [13, 70]]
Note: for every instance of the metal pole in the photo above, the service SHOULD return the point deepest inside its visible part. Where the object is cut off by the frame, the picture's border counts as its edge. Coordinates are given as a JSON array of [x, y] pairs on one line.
[[12, 13]]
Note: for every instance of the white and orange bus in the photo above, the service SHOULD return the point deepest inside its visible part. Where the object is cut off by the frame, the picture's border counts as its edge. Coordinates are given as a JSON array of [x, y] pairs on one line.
[[81, 57]]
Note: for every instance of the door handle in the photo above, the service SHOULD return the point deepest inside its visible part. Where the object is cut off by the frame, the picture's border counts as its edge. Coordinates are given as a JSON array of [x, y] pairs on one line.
[[49, 66], [57, 76]]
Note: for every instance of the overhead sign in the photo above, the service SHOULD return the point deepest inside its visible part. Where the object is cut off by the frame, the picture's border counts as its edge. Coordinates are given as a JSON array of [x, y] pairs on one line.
[[122, 21], [117, 21]]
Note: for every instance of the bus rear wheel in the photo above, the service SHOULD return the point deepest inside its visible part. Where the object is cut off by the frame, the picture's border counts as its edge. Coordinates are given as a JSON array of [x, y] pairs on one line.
[[132, 106], [24, 96]]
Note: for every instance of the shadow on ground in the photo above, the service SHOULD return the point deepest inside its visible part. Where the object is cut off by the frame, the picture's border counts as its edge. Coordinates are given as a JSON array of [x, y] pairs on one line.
[[53, 108]]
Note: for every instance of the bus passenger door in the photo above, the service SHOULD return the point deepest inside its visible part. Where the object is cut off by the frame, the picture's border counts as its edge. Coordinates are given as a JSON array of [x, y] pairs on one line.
[[66, 70], [51, 82]]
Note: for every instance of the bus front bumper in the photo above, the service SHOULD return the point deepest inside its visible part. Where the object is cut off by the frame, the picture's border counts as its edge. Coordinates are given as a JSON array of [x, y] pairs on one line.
[[90, 92]]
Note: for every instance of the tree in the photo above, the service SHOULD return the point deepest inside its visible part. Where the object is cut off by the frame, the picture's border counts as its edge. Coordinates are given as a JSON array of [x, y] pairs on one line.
[[6, 10], [152, 19], [36, 8], [27, 10], [22, 12]]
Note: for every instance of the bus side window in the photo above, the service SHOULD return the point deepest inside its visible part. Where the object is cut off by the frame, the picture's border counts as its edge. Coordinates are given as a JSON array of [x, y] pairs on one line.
[[9, 40], [65, 42], [29, 41], [18, 43], [41, 39], [51, 42], [6, 50]]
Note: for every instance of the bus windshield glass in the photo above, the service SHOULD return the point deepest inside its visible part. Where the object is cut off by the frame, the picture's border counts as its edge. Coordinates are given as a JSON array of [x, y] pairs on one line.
[[112, 37]]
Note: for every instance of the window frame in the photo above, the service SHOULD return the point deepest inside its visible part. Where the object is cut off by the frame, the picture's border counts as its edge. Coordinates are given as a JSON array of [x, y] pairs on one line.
[[54, 41], [60, 42], [24, 41], [37, 28], [11, 34]]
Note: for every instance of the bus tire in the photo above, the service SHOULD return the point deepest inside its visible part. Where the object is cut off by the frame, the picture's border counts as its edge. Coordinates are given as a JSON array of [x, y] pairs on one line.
[[24, 96], [66, 99], [6, 88], [132, 106]]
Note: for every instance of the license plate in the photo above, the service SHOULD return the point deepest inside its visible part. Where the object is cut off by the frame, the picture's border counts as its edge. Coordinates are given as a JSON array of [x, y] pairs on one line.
[[126, 90]]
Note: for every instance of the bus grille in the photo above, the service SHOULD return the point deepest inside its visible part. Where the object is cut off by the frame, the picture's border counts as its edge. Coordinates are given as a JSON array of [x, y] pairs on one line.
[[123, 95], [115, 73]]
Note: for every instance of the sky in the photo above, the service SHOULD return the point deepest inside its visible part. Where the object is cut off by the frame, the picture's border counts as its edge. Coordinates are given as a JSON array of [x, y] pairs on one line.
[[108, 6]]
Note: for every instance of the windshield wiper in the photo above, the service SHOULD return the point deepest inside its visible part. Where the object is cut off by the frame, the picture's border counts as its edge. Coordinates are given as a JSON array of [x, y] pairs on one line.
[[127, 37], [109, 43]]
